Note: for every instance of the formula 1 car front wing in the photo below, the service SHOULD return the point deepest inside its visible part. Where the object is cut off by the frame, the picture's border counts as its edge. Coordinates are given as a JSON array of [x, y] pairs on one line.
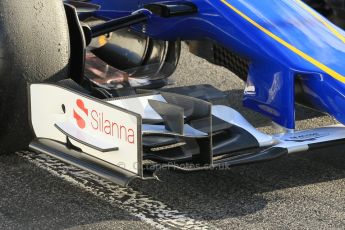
[[185, 128]]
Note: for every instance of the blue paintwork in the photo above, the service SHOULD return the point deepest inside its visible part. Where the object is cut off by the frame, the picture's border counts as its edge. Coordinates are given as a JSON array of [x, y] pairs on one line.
[[273, 69]]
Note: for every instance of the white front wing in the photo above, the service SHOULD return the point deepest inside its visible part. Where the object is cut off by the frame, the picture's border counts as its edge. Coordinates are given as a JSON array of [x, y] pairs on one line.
[[98, 128]]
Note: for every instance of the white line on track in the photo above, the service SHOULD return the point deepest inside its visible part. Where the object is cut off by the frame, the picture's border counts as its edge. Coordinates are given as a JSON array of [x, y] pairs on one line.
[[139, 205]]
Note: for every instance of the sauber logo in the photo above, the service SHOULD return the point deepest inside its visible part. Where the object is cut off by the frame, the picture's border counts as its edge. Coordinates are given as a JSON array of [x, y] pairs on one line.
[[80, 120], [306, 137], [100, 122]]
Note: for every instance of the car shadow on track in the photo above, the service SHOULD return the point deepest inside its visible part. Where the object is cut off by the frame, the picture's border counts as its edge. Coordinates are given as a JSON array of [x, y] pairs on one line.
[[240, 191]]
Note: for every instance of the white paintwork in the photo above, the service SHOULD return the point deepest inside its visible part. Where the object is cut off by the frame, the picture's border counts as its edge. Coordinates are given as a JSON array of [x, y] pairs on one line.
[[231, 116], [189, 131], [94, 140], [293, 141], [140, 105], [46, 111], [299, 140]]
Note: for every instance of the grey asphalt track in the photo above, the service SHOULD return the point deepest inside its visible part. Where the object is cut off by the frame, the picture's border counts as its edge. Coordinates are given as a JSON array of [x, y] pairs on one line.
[[299, 191]]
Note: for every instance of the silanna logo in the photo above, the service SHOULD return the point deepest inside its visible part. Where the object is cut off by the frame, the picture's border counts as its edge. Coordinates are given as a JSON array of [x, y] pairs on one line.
[[82, 110], [98, 121]]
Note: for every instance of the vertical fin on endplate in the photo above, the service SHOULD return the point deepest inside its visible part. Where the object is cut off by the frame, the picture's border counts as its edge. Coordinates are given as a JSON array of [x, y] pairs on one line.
[[181, 109], [193, 108], [197, 112], [173, 116]]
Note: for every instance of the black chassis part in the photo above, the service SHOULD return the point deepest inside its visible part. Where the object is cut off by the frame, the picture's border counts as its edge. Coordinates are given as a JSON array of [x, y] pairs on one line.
[[172, 9], [78, 44], [158, 60], [219, 55], [131, 51], [140, 55]]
